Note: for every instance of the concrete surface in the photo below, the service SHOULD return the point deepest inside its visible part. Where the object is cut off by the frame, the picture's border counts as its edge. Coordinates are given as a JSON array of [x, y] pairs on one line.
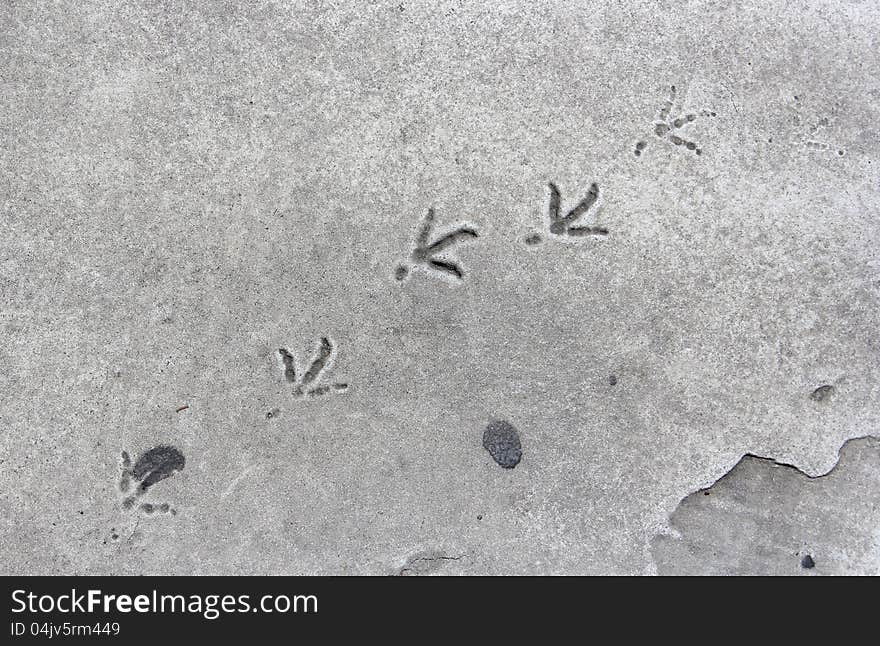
[[294, 258], [766, 518]]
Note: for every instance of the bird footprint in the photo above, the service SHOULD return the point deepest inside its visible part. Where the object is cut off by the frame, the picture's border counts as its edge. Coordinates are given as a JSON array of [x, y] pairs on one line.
[[425, 252], [309, 382], [668, 128], [568, 224], [152, 467]]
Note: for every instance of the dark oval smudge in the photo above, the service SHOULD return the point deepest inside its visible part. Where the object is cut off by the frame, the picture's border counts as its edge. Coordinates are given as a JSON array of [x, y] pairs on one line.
[[501, 440], [157, 464]]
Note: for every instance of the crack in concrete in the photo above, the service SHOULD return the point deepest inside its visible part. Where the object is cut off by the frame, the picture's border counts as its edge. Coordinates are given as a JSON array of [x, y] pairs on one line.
[[787, 465], [428, 559]]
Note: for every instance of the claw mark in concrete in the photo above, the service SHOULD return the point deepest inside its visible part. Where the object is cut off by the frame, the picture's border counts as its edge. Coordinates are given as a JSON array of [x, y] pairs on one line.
[[152, 467], [424, 252], [325, 349], [309, 383], [289, 365], [766, 517], [502, 442], [668, 128]]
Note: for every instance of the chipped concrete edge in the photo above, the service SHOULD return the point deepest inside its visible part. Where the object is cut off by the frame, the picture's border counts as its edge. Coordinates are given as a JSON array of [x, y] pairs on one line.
[[666, 529]]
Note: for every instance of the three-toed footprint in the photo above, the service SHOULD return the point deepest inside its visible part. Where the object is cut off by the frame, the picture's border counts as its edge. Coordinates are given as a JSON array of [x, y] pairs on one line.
[[309, 381]]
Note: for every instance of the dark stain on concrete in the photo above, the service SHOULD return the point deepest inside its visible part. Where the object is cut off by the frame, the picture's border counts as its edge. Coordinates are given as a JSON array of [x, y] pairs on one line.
[[157, 464], [502, 442]]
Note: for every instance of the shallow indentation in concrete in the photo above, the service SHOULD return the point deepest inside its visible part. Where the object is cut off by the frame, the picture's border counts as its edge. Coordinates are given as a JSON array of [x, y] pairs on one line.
[[763, 517]]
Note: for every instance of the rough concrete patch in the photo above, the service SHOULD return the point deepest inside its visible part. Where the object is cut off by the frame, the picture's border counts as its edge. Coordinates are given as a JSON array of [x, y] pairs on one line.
[[763, 517]]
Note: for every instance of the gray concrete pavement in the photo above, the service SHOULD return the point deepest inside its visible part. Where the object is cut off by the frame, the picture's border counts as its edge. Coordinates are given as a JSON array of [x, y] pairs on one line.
[[294, 258]]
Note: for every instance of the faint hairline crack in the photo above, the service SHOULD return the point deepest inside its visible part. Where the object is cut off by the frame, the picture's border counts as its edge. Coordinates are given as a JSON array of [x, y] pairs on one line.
[[130, 536], [731, 96], [238, 479]]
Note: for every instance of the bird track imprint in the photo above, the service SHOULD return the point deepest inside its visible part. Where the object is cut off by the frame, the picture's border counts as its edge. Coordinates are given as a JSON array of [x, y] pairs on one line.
[[567, 225], [151, 467], [424, 253], [667, 128], [309, 382]]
